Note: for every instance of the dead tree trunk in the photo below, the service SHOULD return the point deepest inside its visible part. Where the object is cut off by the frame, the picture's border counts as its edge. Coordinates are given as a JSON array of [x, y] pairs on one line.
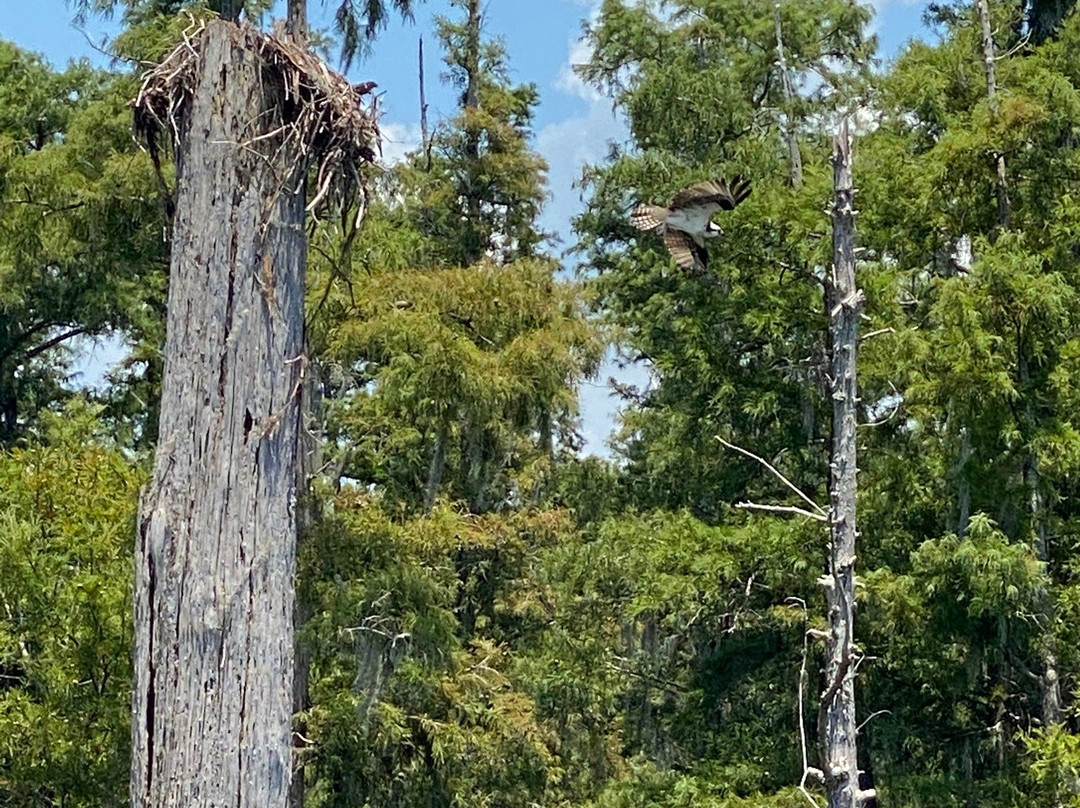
[[425, 138], [215, 554], [1002, 189], [836, 716], [1049, 679], [296, 21], [791, 139], [476, 247]]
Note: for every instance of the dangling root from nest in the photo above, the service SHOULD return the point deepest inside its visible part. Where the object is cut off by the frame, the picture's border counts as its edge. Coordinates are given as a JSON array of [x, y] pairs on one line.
[[324, 121]]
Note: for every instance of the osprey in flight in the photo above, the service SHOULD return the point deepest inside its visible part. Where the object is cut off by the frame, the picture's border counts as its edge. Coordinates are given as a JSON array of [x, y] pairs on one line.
[[687, 222]]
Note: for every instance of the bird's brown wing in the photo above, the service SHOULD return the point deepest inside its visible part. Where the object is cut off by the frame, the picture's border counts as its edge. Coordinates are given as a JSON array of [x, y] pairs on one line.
[[687, 253], [648, 217], [713, 192]]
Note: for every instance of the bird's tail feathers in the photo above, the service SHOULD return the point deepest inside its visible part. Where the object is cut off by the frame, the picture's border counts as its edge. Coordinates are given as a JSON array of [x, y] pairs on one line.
[[648, 217]]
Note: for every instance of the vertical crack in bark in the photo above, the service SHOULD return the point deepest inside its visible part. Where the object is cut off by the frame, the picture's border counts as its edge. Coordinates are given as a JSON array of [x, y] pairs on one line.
[[231, 361], [151, 588], [227, 325]]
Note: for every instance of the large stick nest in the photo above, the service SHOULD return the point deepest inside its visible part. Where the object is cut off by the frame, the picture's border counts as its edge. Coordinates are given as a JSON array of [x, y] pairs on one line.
[[324, 120]]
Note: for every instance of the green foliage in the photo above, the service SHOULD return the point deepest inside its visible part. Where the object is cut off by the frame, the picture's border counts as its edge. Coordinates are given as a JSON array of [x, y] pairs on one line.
[[966, 381], [482, 361], [413, 676], [678, 635], [1052, 762], [947, 632], [646, 787], [477, 187], [451, 352], [735, 353], [67, 520], [498, 622], [81, 227]]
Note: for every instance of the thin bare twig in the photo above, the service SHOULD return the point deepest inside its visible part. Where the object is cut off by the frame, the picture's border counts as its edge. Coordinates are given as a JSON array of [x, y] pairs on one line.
[[773, 469], [802, 717], [878, 333], [755, 506], [871, 717]]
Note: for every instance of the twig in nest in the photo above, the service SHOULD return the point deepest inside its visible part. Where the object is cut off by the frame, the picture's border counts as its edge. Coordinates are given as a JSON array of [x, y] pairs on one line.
[[323, 122]]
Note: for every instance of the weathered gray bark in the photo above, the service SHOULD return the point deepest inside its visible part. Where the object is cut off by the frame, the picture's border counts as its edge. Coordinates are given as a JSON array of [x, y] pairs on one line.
[[790, 138], [475, 248], [215, 552], [296, 21], [1002, 189], [436, 468], [836, 717], [425, 139]]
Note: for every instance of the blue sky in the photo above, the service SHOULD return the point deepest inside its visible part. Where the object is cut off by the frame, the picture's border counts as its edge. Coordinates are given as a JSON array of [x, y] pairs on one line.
[[543, 39]]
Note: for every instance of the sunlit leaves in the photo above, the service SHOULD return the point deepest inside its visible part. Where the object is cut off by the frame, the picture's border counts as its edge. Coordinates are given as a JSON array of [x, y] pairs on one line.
[[67, 520]]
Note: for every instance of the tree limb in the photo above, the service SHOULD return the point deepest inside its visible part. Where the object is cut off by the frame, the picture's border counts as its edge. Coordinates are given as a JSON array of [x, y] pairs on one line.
[[781, 509], [780, 476]]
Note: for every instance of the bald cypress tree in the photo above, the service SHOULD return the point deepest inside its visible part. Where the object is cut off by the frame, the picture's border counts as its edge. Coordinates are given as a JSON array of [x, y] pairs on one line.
[[215, 553]]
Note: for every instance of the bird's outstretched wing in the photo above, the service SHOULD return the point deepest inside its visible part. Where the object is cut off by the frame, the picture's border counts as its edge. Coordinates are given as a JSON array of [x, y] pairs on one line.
[[687, 253], [713, 192], [648, 217]]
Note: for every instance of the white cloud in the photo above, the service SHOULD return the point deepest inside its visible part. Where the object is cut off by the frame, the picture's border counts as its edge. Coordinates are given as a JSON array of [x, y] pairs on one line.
[[568, 81], [579, 53], [568, 145], [398, 139]]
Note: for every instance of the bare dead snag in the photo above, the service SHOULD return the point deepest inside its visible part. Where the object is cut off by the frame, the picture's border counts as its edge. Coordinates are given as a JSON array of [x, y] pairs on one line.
[[837, 728], [989, 58], [791, 139], [249, 114], [425, 137]]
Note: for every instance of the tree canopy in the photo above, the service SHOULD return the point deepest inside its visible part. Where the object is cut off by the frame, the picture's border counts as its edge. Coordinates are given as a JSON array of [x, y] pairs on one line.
[[493, 618]]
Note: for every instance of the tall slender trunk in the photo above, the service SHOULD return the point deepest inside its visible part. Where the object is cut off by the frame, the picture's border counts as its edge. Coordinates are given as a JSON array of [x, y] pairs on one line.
[[215, 552], [1049, 678], [296, 21], [1053, 711], [425, 138], [437, 467], [836, 718], [472, 61], [790, 138], [307, 514], [476, 249], [1002, 187], [963, 498]]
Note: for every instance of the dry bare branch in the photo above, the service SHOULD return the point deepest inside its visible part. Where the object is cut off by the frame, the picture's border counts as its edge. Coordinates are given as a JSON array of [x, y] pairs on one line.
[[754, 506], [780, 476]]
